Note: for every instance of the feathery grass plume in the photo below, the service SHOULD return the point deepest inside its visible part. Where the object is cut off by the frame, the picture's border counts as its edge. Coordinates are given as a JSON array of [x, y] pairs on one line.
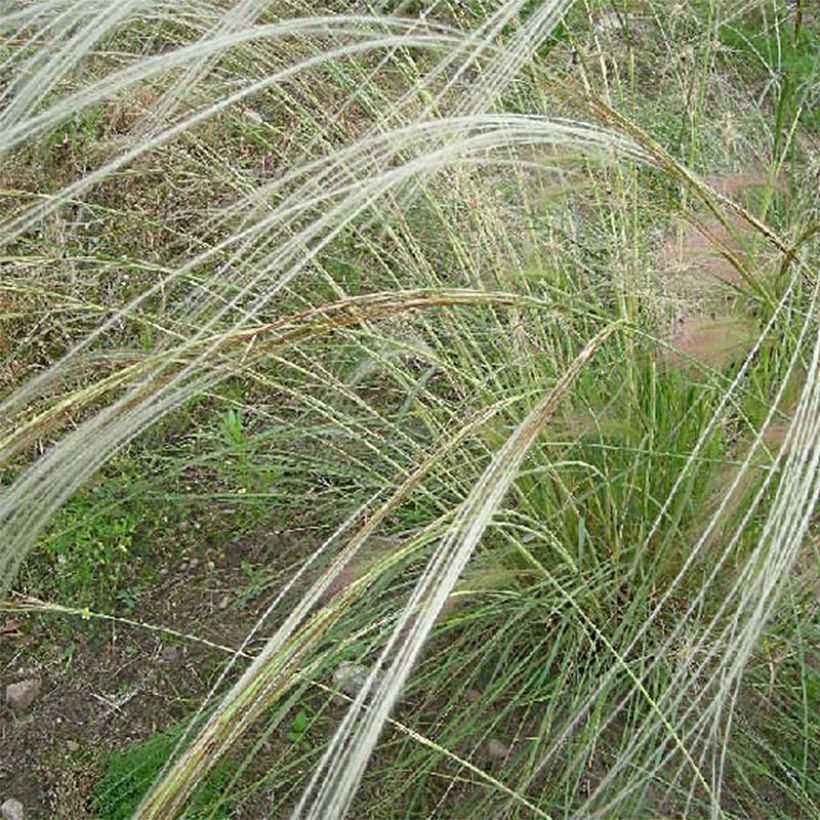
[[393, 238], [160, 391], [688, 689], [264, 680], [750, 601], [336, 778]]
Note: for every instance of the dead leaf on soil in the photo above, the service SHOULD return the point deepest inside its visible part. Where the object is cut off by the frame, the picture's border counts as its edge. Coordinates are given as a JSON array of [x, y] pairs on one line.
[[10, 631]]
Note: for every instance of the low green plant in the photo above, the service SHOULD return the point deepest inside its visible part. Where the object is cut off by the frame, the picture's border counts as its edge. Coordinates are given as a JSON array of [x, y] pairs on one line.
[[128, 773], [786, 59], [90, 549]]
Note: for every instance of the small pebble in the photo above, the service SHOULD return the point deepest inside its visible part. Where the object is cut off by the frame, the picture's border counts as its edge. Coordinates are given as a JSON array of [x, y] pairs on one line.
[[350, 678], [497, 750], [11, 810], [473, 696], [19, 696], [170, 653]]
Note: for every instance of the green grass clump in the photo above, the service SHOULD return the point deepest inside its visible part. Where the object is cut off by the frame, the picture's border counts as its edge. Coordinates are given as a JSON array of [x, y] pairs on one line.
[[509, 309], [90, 550], [130, 771], [783, 57]]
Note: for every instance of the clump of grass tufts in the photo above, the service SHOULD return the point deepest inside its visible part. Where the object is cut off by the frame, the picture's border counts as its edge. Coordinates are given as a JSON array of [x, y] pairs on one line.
[[130, 771], [429, 273]]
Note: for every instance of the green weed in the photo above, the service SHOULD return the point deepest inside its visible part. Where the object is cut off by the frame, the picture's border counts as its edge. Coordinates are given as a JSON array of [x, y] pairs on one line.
[[130, 771], [91, 550], [785, 59]]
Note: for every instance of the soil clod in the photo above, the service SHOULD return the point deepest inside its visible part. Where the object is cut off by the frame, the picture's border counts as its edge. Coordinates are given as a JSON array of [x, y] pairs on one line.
[[19, 696]]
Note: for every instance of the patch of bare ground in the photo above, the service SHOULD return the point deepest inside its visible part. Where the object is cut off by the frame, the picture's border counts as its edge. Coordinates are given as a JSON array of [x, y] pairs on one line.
[[106, 684], [699, 267]]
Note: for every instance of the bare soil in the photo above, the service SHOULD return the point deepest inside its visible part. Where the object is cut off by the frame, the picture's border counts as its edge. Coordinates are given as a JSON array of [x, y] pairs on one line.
[[107, 685]]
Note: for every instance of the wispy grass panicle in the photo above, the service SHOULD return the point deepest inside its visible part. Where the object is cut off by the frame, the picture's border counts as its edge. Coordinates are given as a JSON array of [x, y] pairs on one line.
[[425, 247]]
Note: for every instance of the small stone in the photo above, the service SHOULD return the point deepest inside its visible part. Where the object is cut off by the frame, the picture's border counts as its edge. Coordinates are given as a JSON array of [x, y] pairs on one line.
[[497, 750], [170, 653], [473, 695], [253, 116], [72, 746], [225, 602], [20, 696], [612, 22], [608, 22], [350, 678], [11, 810], [193, 563]]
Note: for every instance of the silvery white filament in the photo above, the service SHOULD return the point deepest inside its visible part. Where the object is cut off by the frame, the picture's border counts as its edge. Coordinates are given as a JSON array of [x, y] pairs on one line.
[[748, 584], [74, 190], [679, 691], [197, 53], [464, 57], [504, 63], [33, 86], [695, 552], [21, 21], [154, 65], [25, 15], [205, 256], [525, 129], [305, 604], [786, 526], [13, 134], [187, 267], [467, 49], [678, 686], [517, 54], [233, 19], [14, 229], [335, 780], [100, 437], [338, 774], [287, 629], [797, 497]]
